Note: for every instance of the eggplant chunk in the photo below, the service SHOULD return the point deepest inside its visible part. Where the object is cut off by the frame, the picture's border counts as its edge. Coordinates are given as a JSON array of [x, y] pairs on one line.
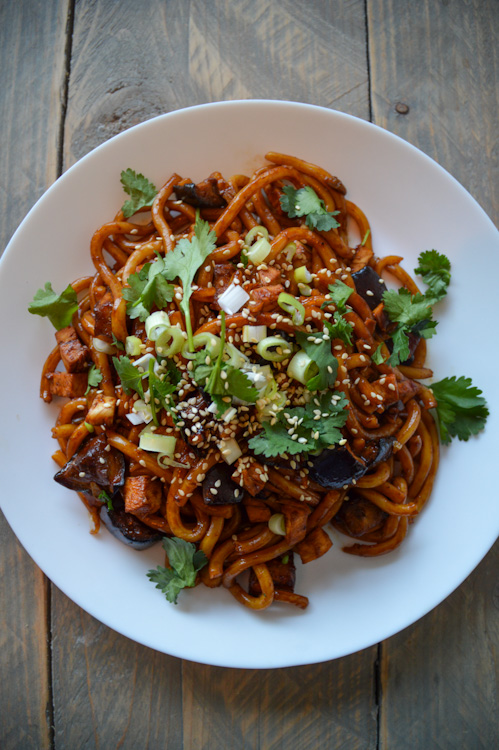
[[369, 285], [338, 467], [93, 468], [127, 527], [219, 488], [202, 195]]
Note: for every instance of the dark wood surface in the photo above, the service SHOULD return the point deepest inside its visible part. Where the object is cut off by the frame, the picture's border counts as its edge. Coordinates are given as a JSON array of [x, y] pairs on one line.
[[75, 74]]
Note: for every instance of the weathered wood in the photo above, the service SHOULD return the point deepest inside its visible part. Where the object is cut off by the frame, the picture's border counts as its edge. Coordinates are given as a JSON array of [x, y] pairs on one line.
[[440, 59], [199, 52], [109, 692], [329, 705], [439, 677], [32, 41], [155, 56]]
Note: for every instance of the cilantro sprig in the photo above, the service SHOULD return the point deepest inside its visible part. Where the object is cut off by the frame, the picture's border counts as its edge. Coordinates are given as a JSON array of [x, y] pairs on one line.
[[185, 562], [146, 288], [461, 408], [339, 293], [413, 313], [94, 378], [434, 268], [130, 376], [306, 202], [233, 382], [58, 308], [183, 263], [141, 192], [303, 429], [318, 347]]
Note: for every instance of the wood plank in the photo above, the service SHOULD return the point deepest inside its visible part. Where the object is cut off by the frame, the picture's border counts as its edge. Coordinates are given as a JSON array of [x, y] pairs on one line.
[[32, 63], [435, 61], [198, 52], [323, 705], [110, 692]]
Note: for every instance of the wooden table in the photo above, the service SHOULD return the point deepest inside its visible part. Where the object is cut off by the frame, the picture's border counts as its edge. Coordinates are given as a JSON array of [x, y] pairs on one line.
[[75, 74]]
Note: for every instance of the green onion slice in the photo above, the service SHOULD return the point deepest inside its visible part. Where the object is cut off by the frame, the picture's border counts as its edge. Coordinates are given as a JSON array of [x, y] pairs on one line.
[[274, 348], [169, 341], [302, 275], [302, 367], [292, 307], [277, 524], [259, 251], [257, 231], [165, 444], [155, 323], [133, 346], [212, 343]]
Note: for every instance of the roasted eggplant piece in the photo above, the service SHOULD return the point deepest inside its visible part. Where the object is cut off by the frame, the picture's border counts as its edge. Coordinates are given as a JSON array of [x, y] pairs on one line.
[[367, 280], [93, 468], [219, 487], [127, 527], [336, 467], [201, 195]]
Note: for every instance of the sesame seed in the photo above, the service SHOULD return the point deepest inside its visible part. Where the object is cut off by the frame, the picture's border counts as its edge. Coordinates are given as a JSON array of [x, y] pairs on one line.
[[81, 474]]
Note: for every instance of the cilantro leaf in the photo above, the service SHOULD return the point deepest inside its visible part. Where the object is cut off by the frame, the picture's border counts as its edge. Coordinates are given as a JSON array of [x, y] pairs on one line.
[[105, 498], [130, 376], [240, 385], [146, 288], [58, 308], [312, 432], [94, 378], [461, 409], [341, 329], [412, 313], [159, 390], [319, 350], [118, 344], [306, 202], [141, 192], [234, 382], [185, 562], [434, 267], [377, 356], [184, 261], [340, 293]]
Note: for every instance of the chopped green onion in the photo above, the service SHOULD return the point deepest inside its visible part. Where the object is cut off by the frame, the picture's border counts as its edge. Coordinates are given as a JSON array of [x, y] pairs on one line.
[[170, 341], [277, 524], [302, 275], [133, 346], [257, 231], [149, 441], [302, 367], [155, 324], [285, 559], [274, 348], [89, 426], [230, 450], [290, 251], [304, 290], [236, 357], [259, 251], [254, 334], [233, 299], [143, 410], [103, 346], [293, 307], [365, 238], [229, 415], [209, 340]]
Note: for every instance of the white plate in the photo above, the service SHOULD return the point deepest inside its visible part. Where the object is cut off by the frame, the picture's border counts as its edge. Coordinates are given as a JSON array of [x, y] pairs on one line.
[[412, 205]]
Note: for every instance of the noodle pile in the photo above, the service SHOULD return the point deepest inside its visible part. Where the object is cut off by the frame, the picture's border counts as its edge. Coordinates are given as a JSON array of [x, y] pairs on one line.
[[388, 434]]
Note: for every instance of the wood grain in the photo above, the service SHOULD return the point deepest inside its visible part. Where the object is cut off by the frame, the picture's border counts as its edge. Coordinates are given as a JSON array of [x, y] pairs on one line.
[[442, 63], [154, 57], [199, 52], [325, 705], [32, 42]]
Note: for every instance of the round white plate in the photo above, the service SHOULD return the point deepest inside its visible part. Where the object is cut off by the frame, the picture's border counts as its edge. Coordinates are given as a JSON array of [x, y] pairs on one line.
[[413, 205]]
